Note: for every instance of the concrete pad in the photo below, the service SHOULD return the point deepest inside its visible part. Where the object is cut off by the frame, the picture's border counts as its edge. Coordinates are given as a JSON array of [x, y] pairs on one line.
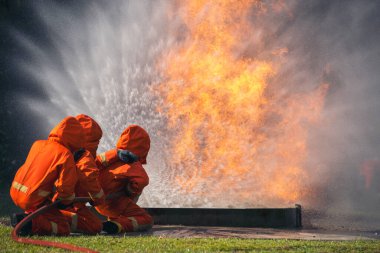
[[255, 233]]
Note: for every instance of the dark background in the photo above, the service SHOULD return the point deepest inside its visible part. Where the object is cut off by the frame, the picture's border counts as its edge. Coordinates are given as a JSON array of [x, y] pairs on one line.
[[19, 127]]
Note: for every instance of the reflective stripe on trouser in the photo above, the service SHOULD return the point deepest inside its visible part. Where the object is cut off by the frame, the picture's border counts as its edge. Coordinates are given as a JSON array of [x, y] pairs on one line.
[[52, 222], [74, 222], [86, 221], [54, 228]]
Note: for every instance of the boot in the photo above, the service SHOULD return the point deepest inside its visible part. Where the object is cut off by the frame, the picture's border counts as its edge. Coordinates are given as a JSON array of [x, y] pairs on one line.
[[110, 227], [17, 218]]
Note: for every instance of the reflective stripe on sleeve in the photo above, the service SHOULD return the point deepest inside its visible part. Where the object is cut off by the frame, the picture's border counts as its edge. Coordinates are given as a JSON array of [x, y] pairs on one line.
[[135, 224], [54, 228], [103, 159], [43, 193], [19, 187], [72, 197], [97, 195]]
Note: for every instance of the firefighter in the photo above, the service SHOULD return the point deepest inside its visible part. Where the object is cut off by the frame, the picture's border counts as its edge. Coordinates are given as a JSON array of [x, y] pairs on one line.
[[49, 170], [123, 179], [79, 216]]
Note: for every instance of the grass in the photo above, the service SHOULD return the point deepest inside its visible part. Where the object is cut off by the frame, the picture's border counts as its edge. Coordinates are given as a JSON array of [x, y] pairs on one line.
[[159, 244]]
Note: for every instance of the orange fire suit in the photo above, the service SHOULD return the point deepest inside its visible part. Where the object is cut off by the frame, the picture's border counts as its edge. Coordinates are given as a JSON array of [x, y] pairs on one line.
[[80, 217], [49, 168], [123, 183]]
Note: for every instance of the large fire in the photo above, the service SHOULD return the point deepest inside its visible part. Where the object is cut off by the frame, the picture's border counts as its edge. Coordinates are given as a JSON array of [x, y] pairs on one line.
[[235, 136]]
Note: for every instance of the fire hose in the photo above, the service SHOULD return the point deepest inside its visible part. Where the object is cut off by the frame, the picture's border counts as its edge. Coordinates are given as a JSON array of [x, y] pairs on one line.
[[39, 211]]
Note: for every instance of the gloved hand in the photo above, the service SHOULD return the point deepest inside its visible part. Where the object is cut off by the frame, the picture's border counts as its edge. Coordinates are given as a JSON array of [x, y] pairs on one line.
[[62, 206], [127, 156], [78, 154]]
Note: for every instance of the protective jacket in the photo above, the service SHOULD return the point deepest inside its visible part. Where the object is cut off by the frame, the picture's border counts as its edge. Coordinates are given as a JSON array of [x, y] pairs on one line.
[[49, 167], [123, 183], [119, 176], [88, 171]]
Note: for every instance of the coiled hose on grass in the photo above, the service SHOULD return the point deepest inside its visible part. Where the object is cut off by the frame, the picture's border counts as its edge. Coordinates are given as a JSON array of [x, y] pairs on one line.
[[39, 211]]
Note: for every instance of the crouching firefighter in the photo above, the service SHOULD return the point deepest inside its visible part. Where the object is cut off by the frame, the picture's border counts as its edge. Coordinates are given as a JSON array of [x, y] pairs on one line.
[[80, 217], [49, 170], [123, 179]]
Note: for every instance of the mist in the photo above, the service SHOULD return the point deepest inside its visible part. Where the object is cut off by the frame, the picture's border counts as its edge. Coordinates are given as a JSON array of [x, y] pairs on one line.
[[100, 58]]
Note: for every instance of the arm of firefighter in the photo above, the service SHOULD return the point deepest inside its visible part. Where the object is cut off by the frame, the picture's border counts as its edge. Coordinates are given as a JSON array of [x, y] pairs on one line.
[[67, 178], [134, 191], [107, 158], [135, 176], [88, 174]]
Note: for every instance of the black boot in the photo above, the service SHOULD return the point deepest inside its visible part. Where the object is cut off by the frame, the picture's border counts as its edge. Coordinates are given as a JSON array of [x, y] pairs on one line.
[[26, 229], [17, 218], [110, 227]]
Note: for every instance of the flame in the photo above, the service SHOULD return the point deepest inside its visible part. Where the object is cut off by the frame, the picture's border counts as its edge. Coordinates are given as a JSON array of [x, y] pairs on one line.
[[235, 138]]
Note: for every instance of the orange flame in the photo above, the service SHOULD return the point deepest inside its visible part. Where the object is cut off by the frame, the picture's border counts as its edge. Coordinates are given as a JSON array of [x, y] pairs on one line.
[[235, 137]]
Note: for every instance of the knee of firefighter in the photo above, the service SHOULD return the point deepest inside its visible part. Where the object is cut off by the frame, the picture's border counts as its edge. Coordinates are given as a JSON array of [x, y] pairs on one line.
[[146, 223], [97, 226]]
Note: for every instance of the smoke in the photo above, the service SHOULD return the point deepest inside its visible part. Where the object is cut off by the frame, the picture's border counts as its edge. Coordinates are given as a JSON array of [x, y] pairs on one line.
[[340, 37], [335, 42], [101, 59]]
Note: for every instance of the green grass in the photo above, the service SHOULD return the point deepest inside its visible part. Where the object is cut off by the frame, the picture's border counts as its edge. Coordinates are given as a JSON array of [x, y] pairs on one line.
[[158, 244]]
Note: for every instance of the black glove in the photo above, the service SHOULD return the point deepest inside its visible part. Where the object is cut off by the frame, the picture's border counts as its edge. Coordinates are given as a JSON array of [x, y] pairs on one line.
[[127, 156], [78, 154]]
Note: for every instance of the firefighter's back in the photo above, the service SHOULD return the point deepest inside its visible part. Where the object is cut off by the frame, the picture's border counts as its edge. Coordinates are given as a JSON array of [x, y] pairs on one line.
[[35, 179]]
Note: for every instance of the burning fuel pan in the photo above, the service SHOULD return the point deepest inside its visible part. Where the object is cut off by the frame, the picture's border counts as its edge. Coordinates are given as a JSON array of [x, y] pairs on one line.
[[252, 217]]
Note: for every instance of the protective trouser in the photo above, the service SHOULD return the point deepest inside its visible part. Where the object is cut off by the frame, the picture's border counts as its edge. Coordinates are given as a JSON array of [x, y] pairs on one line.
[[126, 215], [82, 220], [52, 222]]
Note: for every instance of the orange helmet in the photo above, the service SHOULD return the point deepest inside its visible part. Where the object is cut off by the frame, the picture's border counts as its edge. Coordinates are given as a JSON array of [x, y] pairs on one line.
[[135, 139], [93, 133], [69, 133]]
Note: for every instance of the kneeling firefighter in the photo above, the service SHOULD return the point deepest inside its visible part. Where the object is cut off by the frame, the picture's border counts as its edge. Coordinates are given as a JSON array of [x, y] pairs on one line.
[[123, 179], [49, 170], [79, 216]]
